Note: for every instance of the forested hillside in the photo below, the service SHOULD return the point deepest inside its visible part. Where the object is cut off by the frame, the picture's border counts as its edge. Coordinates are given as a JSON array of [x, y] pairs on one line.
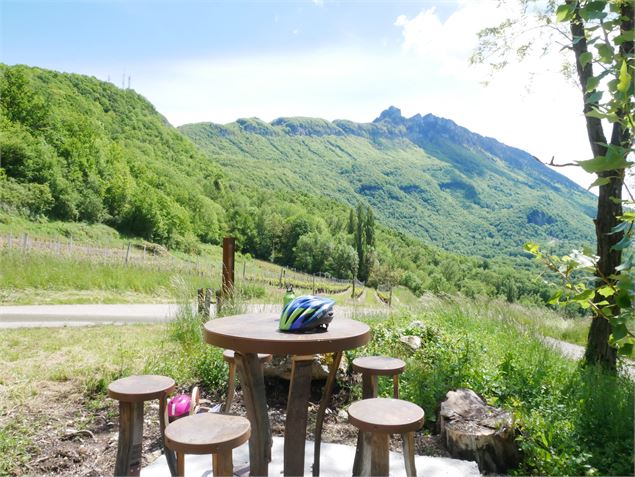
[[423, 175], [341, 198]]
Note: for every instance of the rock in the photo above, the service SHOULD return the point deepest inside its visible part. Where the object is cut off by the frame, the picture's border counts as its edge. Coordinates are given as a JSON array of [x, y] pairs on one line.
[[342, 415], [472, 430], [413, 342], [417, 324], [280, 367]]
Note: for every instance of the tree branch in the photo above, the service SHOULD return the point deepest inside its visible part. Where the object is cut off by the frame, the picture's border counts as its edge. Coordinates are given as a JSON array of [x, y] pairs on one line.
[[553, 164]]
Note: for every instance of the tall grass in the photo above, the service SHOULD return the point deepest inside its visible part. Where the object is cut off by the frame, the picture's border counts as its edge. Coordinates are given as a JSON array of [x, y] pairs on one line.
[[47, 272], [571, 420]]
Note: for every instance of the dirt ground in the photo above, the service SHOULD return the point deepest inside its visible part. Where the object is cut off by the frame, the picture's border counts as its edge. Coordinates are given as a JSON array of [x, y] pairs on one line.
[[76, 437]]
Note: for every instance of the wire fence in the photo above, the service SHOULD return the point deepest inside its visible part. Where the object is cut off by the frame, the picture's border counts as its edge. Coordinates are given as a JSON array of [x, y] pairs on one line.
[[157, 257]]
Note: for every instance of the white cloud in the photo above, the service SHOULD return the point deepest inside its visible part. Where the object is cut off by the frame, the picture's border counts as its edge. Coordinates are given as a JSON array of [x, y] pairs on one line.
[[319, 3]]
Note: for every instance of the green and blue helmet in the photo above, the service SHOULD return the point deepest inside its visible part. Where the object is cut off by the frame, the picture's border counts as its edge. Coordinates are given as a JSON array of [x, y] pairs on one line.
[[307, 313]]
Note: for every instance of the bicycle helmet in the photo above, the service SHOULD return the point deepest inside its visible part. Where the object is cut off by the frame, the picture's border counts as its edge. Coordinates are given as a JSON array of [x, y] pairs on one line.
[[307, 313]]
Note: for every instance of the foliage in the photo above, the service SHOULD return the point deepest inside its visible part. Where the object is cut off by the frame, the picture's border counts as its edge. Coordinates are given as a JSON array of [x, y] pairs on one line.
[[561, 410], [601, 36], [77, 149]]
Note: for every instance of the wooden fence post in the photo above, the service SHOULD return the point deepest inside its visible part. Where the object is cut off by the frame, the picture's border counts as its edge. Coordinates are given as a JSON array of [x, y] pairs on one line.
[[200, 295], [229, 249], [25, 238], [353, 295], [390, 297]]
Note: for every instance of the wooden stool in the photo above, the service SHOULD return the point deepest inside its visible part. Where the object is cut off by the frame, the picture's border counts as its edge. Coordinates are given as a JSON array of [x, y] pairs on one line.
[[376, 419], [228, 355], [373, 366], [132, 392], [207, 433]]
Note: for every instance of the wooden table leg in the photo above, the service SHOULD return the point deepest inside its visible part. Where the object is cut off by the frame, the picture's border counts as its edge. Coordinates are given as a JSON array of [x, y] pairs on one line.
[[130, 438], [408, 445], [295, 425], [326, 396], [395, 386], [253, 386], [231, 386], [170, 456]]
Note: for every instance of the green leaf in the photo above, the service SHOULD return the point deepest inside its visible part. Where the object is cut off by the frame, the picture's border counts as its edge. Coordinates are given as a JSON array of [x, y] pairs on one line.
[[619, 332], [564, 12], [625, 78], [595, 113], [628, 35], [584, 296], [625, 349], [591, 84], [600, 181], [555, 299], [585, 58], [606, 52], [604, 163], [622, 244], [532, 248], [606, 291], [594, 97], [622, 299]]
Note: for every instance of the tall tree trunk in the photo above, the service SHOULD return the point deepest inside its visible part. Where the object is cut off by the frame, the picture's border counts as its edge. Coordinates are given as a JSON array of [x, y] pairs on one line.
[[609, 199]]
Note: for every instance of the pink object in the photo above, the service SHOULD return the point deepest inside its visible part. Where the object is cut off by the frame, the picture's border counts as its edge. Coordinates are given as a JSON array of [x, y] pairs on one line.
[[179, 406]]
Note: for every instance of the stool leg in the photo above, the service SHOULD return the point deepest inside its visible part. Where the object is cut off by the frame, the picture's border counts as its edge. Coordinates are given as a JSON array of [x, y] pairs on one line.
[[395, 386], [379, 457], [369, 390], [170, 456], [180, 464], [408, 440], [361, 465], [223, 464], [369, 386], [231, 386], [130, 438]]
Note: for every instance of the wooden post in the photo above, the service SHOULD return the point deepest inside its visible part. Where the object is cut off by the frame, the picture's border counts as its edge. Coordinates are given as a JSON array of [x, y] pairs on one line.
[[229, 249], [144, 253], [253, 386], [130, 436], [324, 402], [313, 286], [390, 297], [25, 238], [280, 280], [128, 252], [219, 301], [244, 265], [353, 295], [295, 430], [70, 246], [208, 302], [200, 300]]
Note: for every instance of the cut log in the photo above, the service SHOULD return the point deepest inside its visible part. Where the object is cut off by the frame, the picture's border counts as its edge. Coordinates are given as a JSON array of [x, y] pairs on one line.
[[472, 430]]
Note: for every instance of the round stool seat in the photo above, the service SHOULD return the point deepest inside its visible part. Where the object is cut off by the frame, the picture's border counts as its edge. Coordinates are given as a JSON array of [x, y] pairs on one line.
[[228, 355], [140, 388], [207, 433], [379, 365], [390, 416]]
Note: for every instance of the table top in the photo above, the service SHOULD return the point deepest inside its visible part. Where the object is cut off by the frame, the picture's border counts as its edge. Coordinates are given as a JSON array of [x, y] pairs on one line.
[[140, 388], [259, 333]]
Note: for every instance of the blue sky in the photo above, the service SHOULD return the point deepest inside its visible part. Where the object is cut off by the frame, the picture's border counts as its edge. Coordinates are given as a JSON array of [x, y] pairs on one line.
[[218, 61]]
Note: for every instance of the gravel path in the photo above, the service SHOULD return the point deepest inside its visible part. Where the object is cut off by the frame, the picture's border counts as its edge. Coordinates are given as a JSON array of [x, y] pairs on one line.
[[576, 352]]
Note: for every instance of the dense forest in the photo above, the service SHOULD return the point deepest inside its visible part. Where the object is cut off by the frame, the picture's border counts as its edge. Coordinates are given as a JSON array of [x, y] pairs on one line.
[[75, 148]]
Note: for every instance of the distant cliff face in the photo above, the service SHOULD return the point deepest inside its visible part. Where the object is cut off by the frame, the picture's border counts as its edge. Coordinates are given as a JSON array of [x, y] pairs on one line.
[[425, 175]]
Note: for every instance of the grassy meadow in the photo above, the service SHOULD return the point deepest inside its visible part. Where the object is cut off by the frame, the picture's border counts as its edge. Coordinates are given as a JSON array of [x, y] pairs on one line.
[[571, 421]]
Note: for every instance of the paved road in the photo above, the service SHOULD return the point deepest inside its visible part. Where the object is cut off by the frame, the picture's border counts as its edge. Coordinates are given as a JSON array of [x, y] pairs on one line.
[[33, 316]]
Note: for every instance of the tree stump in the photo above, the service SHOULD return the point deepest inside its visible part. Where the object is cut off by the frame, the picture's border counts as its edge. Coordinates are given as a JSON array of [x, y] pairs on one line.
[[472, 430]]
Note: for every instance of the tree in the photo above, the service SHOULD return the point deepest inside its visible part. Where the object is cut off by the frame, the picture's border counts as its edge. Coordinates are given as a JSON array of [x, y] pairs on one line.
[[600, 35]]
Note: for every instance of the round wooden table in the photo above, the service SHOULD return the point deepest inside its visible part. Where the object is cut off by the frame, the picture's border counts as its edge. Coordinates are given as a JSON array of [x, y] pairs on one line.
[[255, 333]]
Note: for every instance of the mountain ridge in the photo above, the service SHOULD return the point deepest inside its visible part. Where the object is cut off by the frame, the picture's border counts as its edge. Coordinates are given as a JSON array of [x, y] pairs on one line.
[[416, 168]]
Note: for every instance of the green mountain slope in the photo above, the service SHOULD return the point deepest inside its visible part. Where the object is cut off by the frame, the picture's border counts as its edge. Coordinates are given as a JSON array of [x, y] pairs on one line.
[[423, 175], [74, 148]]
